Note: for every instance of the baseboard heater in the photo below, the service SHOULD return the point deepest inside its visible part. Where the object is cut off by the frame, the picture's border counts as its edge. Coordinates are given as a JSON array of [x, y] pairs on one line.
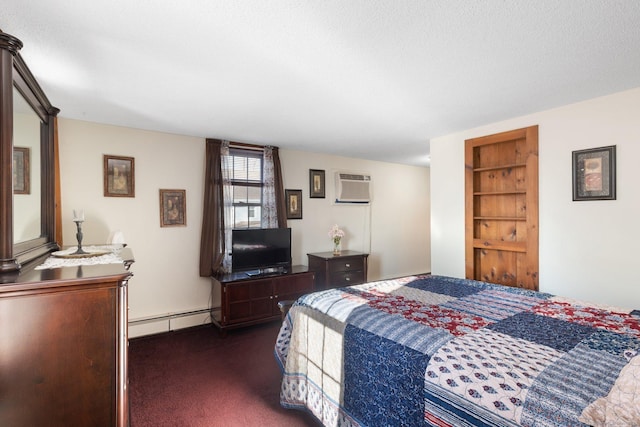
[[169, 316]]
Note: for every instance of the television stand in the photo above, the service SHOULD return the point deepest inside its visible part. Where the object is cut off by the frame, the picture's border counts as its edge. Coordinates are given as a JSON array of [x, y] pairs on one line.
[[249, 300]]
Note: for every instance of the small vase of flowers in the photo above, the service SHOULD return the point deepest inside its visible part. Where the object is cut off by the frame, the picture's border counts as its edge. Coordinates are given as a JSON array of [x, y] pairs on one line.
[[336, 235]]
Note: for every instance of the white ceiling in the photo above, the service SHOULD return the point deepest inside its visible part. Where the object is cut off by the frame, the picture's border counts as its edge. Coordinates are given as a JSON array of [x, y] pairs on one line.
[[374, 79]]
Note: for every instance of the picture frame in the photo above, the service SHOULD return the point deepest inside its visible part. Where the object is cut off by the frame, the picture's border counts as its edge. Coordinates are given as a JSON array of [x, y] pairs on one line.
[[316, 184], [173, 208], [294, 203], [594, 174], [21, 170], [119, 176]]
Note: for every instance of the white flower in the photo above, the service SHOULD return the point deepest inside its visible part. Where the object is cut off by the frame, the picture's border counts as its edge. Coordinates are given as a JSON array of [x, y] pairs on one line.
[[336, 233]]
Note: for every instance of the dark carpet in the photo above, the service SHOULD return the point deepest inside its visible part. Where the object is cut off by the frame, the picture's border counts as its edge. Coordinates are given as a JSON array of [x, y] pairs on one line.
[[194, 377]]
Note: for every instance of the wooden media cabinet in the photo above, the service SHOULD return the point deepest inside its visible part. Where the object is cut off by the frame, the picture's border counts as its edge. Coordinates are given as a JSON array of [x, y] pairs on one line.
[[248, 300]]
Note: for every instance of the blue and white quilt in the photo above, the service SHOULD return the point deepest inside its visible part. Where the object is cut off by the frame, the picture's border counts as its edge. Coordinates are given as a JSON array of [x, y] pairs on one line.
[[439, 351]]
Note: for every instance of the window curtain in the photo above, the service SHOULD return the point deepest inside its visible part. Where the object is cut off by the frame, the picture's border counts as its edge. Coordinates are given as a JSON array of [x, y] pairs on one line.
[[269, 205], [228, 212], [212, 243], [273, 203], [279, 189]]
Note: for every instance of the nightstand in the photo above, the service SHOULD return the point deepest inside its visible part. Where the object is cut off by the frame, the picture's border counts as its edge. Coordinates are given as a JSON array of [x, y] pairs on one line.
[[335, 271]]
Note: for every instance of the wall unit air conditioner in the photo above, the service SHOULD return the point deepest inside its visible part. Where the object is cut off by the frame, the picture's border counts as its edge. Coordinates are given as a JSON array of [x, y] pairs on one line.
[[352, 188]]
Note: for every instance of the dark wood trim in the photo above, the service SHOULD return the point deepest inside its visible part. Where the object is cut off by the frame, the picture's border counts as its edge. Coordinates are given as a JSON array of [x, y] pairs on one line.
[[56, 185], [29, 87], [9, 46], [14, 73], [9, 43]]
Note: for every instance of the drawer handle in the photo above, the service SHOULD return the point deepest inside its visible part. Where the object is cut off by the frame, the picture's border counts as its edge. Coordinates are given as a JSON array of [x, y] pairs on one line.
[[347, 265], [348, 279]]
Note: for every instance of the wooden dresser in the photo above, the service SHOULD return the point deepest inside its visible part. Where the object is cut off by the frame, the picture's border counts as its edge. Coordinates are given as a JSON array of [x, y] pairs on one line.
[[63, 331], [334, 271], [63, 346]]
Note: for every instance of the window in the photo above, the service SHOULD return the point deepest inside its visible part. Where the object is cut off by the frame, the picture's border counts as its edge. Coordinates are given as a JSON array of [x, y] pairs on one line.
[[246, 182]]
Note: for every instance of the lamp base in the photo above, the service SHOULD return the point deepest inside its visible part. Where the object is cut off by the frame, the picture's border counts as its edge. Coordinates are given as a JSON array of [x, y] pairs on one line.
[[80, 251]]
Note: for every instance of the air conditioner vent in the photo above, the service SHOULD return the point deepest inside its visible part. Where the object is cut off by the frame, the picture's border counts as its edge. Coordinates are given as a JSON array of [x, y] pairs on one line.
[[352, 188]]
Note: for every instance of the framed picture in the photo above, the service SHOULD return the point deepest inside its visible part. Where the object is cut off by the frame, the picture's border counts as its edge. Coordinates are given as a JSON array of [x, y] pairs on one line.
[[21, 172], [594, 174], [294, 203], [316, 184], [173, 208], [119, 176]]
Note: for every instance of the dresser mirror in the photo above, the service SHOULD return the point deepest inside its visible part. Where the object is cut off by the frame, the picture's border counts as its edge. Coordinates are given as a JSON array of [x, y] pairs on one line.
[[27, 184], [27, 200]]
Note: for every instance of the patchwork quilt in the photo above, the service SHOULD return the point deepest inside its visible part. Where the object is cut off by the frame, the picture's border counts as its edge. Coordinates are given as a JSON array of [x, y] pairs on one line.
[[440, 351]]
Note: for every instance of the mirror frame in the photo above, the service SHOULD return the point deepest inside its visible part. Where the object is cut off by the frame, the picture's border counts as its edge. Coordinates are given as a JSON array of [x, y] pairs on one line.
[[15, 73]]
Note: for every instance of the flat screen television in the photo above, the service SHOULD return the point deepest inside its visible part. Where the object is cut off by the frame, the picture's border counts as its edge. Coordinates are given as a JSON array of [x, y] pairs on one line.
[[261, 250]]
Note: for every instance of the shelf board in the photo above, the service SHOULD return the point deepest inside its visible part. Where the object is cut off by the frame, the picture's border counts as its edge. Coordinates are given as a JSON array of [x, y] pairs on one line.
[[495, 168], [499, 245], [499, 193], [499, 218]]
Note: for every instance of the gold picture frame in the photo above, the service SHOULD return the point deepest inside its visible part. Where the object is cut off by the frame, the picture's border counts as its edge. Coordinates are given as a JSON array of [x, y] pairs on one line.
[[316, 184], [173, 208], [21, 170], [294, 203], [119, 176]]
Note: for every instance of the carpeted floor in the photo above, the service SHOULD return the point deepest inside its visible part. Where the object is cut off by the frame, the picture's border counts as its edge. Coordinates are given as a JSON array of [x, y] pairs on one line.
[[195, 378]]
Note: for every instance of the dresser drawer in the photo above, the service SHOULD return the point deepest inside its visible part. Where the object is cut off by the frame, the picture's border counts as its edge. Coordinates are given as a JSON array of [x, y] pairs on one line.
[[346, 278], [346, 264]]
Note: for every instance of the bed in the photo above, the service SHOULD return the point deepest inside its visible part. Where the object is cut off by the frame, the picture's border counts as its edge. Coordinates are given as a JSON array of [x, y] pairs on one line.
[[439, 351]]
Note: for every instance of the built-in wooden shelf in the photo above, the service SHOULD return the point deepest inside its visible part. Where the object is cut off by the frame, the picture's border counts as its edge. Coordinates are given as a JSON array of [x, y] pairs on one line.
[[500, 167], [501, 208], [500, 218], [499, 193]]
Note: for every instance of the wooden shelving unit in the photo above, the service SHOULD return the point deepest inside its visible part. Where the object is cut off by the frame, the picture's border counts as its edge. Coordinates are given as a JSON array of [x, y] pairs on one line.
[[501, 177]]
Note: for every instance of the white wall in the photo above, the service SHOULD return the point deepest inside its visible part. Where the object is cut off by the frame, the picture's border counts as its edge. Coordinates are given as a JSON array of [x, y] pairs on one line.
[[587, 248], [394, 228], [166, 276]]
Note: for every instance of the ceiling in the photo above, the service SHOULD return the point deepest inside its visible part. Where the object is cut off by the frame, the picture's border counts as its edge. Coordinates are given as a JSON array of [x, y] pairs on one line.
[[373, 79]]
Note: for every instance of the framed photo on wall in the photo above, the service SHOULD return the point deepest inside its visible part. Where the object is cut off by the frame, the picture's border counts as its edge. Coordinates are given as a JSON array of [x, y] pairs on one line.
[[119, 176], [21, 171], [316, 184], [294, 203], [173, 208], [594, 174]]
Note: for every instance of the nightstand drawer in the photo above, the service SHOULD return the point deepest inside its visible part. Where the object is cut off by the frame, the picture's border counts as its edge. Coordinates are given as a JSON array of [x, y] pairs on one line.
[[346, 264], [346, 278]]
